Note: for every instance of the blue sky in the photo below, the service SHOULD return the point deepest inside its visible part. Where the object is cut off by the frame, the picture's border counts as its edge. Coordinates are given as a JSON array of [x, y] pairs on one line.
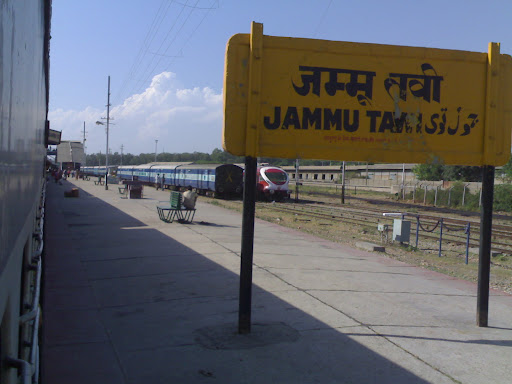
[[166, 58]]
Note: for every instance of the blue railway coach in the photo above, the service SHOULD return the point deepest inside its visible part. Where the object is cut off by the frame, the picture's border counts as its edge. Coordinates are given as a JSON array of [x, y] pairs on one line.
[[98, 170], [217, 179], [150, 173], [207, 179]]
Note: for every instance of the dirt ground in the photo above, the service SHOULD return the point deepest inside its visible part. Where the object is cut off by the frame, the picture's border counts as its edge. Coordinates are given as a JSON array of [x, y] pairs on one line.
[[452, 261]]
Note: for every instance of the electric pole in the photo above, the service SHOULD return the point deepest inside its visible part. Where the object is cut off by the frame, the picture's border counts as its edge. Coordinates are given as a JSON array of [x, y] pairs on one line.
[[85, 156], [108, 121]]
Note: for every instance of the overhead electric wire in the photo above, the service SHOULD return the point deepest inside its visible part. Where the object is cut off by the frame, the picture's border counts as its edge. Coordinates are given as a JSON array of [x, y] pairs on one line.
[[195, 7], [192, 34], [151, 72], [143, 50], [322, 18], [145, 73]]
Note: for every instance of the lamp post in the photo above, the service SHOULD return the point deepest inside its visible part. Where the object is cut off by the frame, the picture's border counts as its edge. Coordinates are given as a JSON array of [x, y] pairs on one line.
[[108, 122]]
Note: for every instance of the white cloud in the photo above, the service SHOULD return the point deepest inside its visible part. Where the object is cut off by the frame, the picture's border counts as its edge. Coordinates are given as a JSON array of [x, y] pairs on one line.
[[182, 120]]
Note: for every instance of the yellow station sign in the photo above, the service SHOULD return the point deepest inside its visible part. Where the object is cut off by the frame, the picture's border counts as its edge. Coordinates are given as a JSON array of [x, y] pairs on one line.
[[316, 99]]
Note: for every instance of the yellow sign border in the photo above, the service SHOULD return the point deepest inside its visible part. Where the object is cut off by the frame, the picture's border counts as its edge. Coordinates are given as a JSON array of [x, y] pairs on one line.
[[243, 133]]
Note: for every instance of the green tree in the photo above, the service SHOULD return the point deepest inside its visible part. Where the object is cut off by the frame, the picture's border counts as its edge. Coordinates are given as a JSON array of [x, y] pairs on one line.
[[503, 197], [462, 173], [507, 170], [434, 172], [429, 172]]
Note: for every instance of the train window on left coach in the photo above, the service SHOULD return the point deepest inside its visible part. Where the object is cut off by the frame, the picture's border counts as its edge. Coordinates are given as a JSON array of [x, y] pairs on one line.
[[276, 176]]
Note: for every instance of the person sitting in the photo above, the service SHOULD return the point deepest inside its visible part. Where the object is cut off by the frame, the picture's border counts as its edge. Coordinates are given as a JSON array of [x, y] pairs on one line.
[[189, 198]]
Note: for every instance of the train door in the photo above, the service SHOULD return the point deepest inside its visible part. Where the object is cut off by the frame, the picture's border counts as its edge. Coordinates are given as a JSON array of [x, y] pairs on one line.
[[204, 180]]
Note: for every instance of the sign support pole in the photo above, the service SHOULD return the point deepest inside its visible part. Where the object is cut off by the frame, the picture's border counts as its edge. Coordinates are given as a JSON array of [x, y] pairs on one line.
[[491, 121], [244, 308], [484, 262], [251, 166]]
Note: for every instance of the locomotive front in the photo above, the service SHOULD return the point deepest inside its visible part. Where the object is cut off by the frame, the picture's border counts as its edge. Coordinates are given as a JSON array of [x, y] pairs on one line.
[[272, 184]]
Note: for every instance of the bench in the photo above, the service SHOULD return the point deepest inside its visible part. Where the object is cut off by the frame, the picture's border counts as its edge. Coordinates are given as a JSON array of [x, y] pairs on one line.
[[175, 210]]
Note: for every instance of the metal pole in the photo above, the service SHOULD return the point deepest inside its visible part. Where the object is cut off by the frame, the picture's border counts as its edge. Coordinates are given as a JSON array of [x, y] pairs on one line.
[[297, 180], [484, 262], [468, 232], [244, 308], [343, 183], [441, 238], [156, 144], [417, 229], [425, 195], [108, 122], [403, 181], [464, 194], [85, 156]]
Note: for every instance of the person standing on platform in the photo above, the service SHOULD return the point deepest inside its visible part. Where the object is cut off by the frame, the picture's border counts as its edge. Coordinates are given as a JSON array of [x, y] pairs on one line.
[[189, 198]]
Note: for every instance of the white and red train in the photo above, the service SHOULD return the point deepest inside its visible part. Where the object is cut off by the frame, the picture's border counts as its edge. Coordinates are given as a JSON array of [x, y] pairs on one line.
[[272, 183]]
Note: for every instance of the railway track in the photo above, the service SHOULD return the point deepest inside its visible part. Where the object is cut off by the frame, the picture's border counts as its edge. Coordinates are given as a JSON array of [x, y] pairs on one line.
[[453, 228]]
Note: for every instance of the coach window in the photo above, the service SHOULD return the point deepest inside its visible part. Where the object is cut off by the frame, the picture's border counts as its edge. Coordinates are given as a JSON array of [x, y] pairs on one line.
[[300, 175], [323, 176], [315, 176], [332, 177]]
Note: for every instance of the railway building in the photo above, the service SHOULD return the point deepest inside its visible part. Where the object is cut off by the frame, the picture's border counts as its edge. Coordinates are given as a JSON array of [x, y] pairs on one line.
[[385, 174], [70, 154]]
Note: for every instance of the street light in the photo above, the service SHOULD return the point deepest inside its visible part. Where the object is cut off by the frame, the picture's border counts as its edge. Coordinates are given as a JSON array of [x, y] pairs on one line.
[[106, 156], [102, 123]]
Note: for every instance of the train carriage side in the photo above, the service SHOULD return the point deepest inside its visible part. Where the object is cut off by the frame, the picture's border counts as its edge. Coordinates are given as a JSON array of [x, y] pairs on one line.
[[86, 170], [142, 173], [125, 172], [165, 173], [192, 175], [24, 70]]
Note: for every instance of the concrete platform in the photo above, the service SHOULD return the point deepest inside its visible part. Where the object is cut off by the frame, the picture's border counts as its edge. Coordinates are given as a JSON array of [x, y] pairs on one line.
[[131, 299]]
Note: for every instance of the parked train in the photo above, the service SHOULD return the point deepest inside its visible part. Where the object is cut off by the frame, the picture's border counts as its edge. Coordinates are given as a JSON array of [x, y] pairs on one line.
[[24, 66], [99, 170], [207, 179], [272, 183], [218, 180]]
